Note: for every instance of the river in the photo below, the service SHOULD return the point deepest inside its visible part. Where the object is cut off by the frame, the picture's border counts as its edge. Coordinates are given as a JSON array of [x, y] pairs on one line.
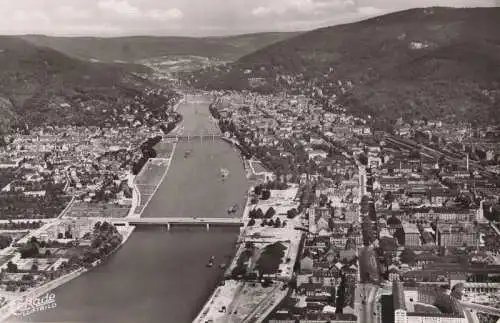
[[162, 276]]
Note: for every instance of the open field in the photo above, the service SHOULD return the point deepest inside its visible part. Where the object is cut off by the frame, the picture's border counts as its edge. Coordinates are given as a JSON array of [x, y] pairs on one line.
[[150, 177], [151, 173], [164, 149]]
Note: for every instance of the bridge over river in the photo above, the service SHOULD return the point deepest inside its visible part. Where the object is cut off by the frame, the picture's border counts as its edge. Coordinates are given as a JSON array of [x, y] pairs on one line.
[[186, 137], [168, 222]]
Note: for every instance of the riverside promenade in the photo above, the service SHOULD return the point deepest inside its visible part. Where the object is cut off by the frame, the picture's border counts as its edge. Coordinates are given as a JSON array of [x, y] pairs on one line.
[[236, 301]]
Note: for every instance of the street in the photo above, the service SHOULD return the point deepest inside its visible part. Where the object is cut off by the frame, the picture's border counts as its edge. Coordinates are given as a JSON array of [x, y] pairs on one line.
[[365, 300]]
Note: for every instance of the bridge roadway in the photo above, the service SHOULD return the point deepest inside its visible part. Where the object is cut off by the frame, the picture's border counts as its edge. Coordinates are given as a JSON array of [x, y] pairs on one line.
[[190, 137], [207, 222]]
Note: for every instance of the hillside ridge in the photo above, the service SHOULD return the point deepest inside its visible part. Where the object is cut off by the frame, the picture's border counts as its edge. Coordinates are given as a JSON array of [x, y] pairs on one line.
[[428, 62]]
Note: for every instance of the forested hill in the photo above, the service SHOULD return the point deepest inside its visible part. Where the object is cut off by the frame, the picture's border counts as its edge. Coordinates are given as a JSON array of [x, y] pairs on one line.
[[136, 48], [432, 62], [39, 85]]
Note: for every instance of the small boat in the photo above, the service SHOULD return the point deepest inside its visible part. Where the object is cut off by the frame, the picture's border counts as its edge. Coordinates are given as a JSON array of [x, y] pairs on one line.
[[210, 264], [222, 266], [232, 209], [224, 172], [212, 258], [187, 153]]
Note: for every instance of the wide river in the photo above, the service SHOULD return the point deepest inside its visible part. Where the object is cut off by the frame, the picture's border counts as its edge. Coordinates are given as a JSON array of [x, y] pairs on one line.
[[161, 277]]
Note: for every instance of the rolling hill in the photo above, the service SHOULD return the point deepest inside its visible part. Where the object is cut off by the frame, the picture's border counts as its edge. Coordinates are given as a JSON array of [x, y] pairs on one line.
[[433, 62], [39, 85], [131, 49]]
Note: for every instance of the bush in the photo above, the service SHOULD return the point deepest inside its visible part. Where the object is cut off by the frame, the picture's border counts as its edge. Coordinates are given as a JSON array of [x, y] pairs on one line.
[[5, 241], [270, 213], [292, 213], [270, 259]]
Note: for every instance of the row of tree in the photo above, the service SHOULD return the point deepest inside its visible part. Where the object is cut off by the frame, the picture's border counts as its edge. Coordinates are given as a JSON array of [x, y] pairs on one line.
[[148, 151], [259, 214], [276, 223]]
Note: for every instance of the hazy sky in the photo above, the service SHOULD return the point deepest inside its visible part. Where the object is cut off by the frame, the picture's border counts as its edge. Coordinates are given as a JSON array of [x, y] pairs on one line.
[[194, 17]]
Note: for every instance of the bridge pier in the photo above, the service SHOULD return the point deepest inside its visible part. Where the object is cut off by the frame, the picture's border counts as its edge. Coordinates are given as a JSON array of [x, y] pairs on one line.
[[168, 226], [208, 227]]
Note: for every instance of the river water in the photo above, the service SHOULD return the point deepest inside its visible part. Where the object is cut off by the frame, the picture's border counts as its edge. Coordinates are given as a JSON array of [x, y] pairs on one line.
[[162, 276]]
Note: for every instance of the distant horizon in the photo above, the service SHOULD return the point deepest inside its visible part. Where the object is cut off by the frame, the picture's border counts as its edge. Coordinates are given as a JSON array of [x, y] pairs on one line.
[[160, 36], [143, 18]]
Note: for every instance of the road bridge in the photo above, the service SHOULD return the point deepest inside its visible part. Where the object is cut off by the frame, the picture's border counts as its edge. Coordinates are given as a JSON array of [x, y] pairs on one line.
[[168, 222], [191, 137]]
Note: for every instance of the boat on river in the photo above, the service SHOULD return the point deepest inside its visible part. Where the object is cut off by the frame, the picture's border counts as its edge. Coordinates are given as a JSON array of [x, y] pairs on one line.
[[211, 261], [233, 209], [224, 173]]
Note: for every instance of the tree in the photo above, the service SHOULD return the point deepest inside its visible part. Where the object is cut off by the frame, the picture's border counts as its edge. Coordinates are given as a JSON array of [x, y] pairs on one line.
[[266, 194], [11, 267], [270, 213], [363, 159], [277, 223], [371, 212], [408, 256], [67, 234], [399, 234], [5, 241], [270, 259], [292, 213], [34, 268], [251, 222], [257, 190], [367, 231], [29, 250], [60, 235], [323, 199], [97, 225]]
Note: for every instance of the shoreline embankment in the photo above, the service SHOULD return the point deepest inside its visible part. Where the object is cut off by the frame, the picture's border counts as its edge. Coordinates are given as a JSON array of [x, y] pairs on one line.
[[215, 294], [18, 303]]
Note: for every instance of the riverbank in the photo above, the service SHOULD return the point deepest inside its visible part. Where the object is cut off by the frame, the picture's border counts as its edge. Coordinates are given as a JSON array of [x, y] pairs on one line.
[[250, 174], [19, 302], [240, 301], [139, 207]]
